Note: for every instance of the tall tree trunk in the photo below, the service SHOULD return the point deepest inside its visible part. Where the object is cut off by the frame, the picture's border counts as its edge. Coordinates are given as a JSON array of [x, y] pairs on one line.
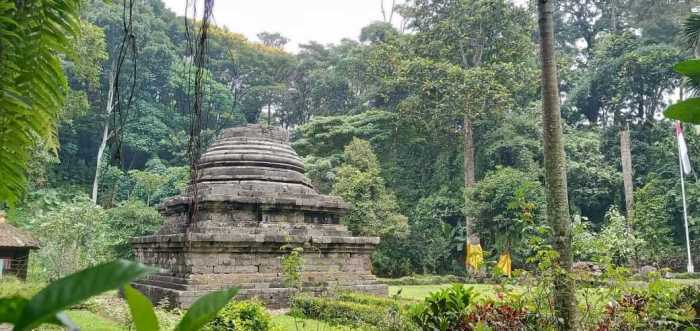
[[105, 132], [555, 170], [469, 163], [628, 184], [626, 157], [469, 176]]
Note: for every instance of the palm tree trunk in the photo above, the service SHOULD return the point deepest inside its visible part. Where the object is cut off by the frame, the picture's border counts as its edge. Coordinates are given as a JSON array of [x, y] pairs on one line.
[[555, 170]]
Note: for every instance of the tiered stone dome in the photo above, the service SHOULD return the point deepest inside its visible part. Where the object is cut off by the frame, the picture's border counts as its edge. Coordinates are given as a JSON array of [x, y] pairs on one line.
[[253, 153], [255, 165]]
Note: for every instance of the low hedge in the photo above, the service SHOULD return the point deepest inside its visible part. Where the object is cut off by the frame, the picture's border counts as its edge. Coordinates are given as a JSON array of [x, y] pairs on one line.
[[367, 299], [423, 280], [351, 309], [685, 275]]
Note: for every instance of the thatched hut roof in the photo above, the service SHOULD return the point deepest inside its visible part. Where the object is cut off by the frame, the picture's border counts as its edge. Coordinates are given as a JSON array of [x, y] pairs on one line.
[[11, 236]]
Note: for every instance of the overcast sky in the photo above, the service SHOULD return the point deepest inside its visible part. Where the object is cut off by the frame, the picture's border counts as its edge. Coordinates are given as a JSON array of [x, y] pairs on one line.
[[325, 21]]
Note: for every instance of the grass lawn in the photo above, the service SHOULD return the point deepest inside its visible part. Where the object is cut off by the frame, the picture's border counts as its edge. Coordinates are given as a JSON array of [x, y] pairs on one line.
[[289, 323], [87, 320], [418, 292]]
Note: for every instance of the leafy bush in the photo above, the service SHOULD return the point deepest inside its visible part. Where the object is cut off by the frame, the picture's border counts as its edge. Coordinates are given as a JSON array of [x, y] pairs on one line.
[[359, 182], [73, 236], [335, 311], [434, 244], [660, 306], [613, 244], [151, 185], [243, 316], [130, 219], [690, 296], [497, 203], [12, 287], [352, 310], [653, 218], [292, 268], [443, 310]]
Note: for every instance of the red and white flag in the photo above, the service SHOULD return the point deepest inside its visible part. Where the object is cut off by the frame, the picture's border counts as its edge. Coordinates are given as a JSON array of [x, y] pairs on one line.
[[683, 149]]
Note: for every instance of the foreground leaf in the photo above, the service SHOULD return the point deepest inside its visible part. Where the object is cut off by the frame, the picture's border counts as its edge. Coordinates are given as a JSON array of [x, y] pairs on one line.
[[687, 111], [205, 309], [141, 310], [77, 287], [690, 68], [11, 309]]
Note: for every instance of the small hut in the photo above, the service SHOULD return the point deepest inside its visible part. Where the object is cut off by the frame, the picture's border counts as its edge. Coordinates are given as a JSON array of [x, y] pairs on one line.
[[15, 245]]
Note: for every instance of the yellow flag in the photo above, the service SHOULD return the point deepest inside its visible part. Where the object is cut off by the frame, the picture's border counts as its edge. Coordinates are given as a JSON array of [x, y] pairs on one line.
[[475, 256], [505, 263]]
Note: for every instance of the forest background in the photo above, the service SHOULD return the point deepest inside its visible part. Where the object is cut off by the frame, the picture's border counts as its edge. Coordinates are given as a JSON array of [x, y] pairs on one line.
[[420, 129]]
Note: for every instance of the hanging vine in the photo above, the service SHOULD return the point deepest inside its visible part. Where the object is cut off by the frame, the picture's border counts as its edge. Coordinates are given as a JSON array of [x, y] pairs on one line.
[[126, 48], [198, 51]]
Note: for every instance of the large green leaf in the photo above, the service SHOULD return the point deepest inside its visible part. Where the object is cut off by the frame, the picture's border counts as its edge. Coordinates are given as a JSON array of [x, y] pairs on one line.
[[11, 309], [690, 68], [205, 309], [141, 310], [77, 287], [687, 111]]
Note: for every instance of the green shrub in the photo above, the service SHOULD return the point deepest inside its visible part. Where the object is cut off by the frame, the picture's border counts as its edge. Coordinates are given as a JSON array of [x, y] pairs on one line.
[[248, 315], [12, 286], [292, 268], [73, 236], [660, 306], [689, 297], [444, 309], [336, 311], [354, 310], [131, 219]]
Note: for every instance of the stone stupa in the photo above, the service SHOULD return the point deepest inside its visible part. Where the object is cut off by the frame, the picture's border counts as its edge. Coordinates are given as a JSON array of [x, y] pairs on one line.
[[254, 204]]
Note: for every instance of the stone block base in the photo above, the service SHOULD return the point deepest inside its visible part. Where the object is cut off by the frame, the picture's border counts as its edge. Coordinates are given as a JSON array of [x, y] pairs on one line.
[[273, 298]]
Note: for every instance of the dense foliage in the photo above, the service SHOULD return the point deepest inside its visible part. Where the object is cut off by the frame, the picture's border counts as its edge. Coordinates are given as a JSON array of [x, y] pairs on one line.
[[380, 121]]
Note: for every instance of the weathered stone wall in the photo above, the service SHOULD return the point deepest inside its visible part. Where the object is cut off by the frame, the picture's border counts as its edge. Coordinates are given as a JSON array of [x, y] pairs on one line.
[[254, 204]]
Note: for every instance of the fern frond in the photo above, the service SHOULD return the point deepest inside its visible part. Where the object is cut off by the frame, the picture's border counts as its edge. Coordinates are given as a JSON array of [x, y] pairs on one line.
[[33, 34], [691, 30]]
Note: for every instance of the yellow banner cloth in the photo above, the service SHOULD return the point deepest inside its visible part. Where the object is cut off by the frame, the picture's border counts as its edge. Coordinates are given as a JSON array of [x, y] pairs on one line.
[[475, 256], [505, 264]]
